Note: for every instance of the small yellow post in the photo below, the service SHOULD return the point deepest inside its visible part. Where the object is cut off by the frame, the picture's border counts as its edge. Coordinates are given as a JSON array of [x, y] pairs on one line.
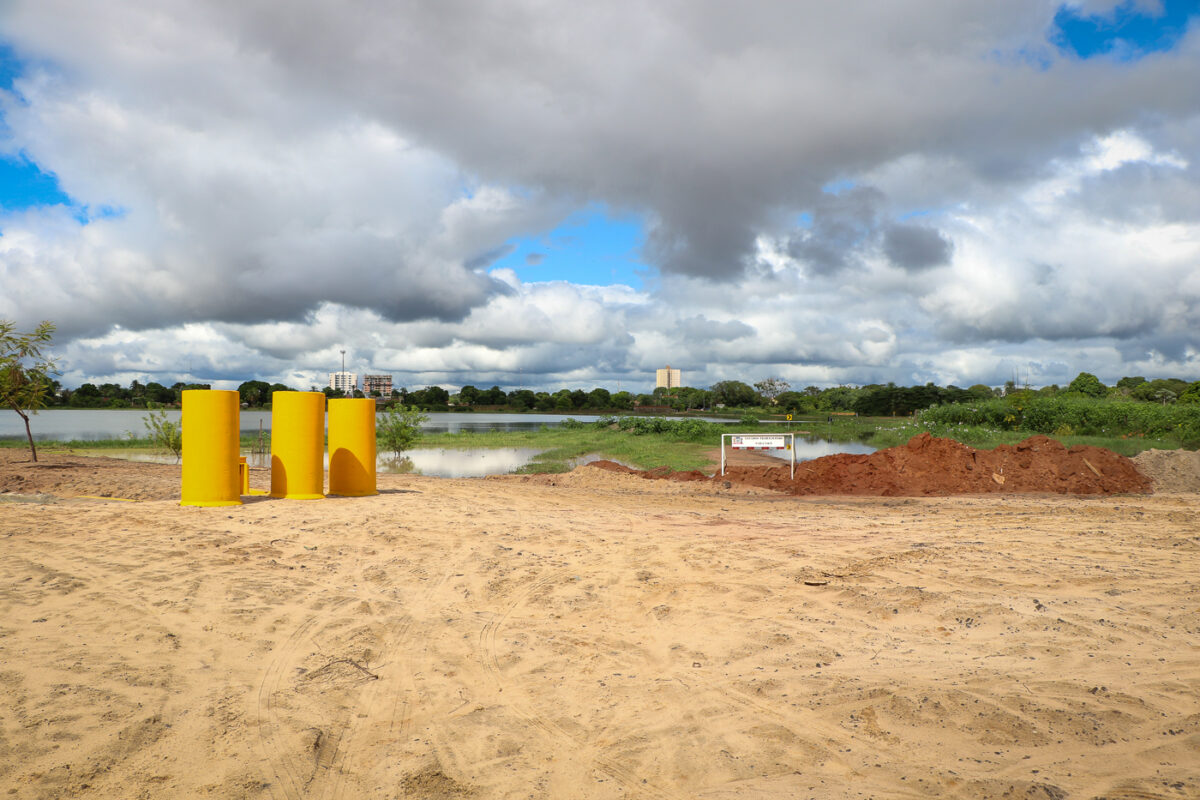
[[298, 445], [352, 447], [210, 448]]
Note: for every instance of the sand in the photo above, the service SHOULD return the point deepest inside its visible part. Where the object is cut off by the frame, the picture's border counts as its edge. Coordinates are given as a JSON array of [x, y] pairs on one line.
[[593, 635]]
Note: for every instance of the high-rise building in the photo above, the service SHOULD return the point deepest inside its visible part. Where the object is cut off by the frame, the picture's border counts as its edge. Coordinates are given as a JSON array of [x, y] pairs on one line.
[[346, 381], [377, 383], [668, 378]]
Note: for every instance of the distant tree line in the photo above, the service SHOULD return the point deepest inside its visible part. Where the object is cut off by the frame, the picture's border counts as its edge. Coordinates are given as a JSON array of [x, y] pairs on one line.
[[111, 395], [771, 395]]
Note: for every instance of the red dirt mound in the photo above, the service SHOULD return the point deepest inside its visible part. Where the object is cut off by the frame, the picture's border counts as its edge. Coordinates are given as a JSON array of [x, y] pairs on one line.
[[931, 466]]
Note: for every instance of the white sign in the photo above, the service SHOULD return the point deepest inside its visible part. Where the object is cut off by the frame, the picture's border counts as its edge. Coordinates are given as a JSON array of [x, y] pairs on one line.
[[760, 441]]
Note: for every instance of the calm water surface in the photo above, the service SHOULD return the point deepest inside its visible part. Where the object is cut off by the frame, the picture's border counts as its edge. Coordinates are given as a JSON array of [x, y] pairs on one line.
[[434, 462], [439, 462], [808, 449], [66, 424], [93, 424]]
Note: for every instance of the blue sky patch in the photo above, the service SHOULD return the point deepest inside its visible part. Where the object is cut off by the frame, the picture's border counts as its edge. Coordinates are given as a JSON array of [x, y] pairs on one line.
[[10, 67], [838, 186], [23, 184], [592, 247], [1127, 32]]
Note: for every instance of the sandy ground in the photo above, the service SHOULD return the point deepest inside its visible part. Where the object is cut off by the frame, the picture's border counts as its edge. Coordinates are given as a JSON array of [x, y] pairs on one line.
[[594, 635]]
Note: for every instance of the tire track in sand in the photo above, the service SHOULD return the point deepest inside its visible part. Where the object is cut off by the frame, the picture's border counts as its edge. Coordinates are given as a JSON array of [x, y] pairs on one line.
[[581, 745], [312, 762]]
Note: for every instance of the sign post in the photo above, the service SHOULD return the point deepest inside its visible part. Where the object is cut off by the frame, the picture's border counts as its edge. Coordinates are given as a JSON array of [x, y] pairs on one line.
[[760, 441]]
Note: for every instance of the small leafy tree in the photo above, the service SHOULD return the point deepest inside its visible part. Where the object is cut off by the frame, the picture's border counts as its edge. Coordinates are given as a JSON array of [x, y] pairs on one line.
[[771, 388], [397, 429], [1087, 384], [25, 372], [734, 393], [164, 433]]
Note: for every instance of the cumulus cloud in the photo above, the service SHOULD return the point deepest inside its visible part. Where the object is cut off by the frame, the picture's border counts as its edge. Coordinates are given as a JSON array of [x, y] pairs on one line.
[[915, 247], [827, 194]]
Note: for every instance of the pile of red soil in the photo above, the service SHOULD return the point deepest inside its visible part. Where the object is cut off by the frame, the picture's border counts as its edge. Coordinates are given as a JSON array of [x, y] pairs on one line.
[[931, 466]]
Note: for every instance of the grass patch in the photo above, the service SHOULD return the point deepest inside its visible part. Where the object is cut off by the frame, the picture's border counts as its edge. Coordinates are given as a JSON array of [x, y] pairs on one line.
[[894, 433], [678, 444], [561, 446]]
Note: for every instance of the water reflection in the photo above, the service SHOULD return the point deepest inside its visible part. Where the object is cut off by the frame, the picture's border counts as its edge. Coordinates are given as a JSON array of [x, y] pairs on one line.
[[808, 449], [445, 463], [477, 462], [66, 424]]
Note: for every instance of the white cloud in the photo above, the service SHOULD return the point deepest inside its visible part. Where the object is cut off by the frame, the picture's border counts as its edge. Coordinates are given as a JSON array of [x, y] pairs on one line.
[[282, 192]]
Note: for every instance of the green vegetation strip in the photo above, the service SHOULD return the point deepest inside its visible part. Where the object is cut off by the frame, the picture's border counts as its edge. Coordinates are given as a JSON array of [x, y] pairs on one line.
[[683, 444], [562, 446]]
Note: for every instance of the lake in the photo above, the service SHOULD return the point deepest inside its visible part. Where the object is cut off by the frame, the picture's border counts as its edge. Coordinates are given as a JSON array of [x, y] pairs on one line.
[[88, 424], [94, 424], [437, 462], [449, 462]]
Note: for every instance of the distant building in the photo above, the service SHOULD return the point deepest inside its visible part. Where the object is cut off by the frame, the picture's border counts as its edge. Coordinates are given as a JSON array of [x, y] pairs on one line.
[[668, 378], [377, 383], [346, 381]]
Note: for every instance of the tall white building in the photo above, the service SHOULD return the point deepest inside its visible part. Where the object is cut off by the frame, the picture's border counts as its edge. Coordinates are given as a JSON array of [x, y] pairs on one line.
[[668, 378], [346, 381]]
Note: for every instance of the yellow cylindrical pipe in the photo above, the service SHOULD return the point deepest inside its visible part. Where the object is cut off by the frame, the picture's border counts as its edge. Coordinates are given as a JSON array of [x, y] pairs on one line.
[[352, 447], [298, 445], [210, 448]]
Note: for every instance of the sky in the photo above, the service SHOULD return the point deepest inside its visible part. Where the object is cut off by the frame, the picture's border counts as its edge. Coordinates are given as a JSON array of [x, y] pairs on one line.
[[538, 194]]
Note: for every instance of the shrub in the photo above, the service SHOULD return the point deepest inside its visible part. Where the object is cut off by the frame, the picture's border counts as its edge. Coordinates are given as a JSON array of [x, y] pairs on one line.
[[397, 429], [1081, 415], [164, 433]]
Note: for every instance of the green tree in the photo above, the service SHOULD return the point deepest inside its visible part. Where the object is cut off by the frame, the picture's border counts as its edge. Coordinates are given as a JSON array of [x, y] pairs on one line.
[[734, 393], [1191, 394], [522, 399], [157, 393], [494, 396], [599, 398], [398, 428], [981, 392], [25, 372], [771, 388], [1150, 391], [622, 400], [794, 402], [86, 396], [1088, 384], [838, 398], [254, 393], [1129, 383]]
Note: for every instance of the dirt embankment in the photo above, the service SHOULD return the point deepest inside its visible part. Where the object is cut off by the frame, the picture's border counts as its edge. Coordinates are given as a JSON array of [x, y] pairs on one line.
[[1172, 471], [924, 467], [928, 466]]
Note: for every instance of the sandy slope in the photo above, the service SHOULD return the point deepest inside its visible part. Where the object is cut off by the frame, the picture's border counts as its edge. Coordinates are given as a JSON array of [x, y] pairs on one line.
[[601, 636]]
